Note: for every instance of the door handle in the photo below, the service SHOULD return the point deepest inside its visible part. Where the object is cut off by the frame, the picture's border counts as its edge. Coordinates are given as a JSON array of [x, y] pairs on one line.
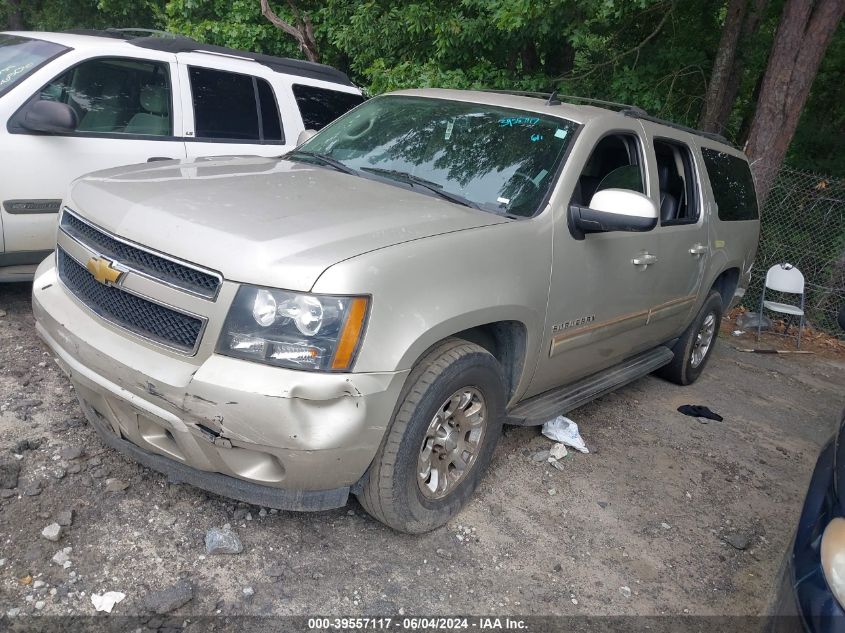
[[157, 158], [698, 249], [645, 259]]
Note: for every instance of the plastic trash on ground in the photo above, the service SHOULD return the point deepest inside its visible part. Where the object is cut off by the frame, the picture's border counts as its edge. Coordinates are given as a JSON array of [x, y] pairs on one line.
[[222, 541], [106, 601], [565, 431], [750, 320]]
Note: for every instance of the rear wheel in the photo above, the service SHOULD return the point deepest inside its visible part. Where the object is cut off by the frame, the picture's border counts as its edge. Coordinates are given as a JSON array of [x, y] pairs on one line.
[[440, 441], [693, 349]]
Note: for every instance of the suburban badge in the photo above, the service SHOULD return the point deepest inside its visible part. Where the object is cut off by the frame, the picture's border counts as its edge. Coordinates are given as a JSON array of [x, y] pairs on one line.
[[584, 320]]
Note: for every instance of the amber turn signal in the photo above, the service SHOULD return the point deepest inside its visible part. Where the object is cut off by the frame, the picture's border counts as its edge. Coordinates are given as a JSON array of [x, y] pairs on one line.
[[350, 336]]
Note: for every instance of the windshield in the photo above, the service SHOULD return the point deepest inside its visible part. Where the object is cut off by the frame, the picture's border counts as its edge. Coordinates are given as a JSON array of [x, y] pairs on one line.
[[19, 56], [497, 159]]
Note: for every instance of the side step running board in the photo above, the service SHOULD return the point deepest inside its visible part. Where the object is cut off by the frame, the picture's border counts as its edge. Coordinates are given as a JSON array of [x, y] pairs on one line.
[[554, 402]]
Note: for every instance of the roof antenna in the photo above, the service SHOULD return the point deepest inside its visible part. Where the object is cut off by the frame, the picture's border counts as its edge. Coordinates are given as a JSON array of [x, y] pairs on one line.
[[553, 100]]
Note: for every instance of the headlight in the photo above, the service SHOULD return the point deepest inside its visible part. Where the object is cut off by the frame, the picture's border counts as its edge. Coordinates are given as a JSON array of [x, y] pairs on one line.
[[294, 329], [833, 558]]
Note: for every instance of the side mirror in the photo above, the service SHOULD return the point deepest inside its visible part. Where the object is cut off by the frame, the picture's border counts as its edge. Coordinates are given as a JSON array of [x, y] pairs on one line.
[[304, 135], [49, 116], [613, 210]]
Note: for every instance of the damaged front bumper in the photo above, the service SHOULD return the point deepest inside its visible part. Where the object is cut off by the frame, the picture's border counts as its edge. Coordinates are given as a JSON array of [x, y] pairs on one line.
[[274, 437]]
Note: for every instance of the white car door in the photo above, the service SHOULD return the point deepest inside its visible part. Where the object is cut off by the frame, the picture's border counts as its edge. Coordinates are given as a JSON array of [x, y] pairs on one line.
[[126, 114], [234, 108]]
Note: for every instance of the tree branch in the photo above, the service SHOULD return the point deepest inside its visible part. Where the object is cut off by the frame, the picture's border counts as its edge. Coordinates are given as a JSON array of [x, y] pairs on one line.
[[303, 32], [278, 22], [636, 49]]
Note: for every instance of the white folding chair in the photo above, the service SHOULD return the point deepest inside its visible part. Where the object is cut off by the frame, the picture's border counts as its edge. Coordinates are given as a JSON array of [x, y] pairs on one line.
[[787, 279]]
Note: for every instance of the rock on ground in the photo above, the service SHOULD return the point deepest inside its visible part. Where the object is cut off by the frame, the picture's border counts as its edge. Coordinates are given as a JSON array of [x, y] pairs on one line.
[[738, 541], [170, 599], [222, 541], [116, 485], [52, 532]]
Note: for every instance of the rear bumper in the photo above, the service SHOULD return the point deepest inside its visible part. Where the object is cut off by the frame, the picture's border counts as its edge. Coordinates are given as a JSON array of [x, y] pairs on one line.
[[276, 437]]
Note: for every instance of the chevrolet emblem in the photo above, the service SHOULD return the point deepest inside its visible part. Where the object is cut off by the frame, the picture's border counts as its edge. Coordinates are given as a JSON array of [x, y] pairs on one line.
[[103, 270]]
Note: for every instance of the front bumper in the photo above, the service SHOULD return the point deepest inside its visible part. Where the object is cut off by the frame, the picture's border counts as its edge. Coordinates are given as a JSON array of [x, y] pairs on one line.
[[784, 612], [803, 601], [275, 437]]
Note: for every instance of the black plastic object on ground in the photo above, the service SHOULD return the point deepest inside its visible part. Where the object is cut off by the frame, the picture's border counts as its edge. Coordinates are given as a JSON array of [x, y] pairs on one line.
[[699, 411]]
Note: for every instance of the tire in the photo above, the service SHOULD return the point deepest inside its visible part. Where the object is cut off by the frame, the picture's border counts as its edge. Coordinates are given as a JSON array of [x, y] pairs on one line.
[[683, 370], [393, 491]]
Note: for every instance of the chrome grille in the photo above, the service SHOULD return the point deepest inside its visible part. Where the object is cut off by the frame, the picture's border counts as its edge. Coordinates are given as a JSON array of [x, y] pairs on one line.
[[150, 320], [155, 266]]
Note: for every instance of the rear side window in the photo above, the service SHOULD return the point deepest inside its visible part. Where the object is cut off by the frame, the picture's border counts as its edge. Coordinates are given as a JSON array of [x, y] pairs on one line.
[[234, 107], [677, 181], [732, 185], [271, 122], [319, 106]]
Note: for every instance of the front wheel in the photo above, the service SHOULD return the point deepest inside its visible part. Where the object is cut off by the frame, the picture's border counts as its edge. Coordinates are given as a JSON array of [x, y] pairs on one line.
[[693, 349], [440, 441]]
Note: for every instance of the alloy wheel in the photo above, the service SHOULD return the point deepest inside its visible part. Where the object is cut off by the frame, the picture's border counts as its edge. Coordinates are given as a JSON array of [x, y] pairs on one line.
[[703, 340], [452, 443]]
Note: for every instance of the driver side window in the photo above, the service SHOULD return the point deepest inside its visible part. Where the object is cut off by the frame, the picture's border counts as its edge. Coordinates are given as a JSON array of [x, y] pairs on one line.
[[116, 96], [615, 163]]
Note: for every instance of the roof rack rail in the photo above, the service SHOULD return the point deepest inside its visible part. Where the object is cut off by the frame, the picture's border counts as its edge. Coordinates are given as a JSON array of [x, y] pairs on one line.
[[519, 93], [601, 102], [124, 34], [555, 98], [636, 113], [175, 43], [182, 44], [130, 32]]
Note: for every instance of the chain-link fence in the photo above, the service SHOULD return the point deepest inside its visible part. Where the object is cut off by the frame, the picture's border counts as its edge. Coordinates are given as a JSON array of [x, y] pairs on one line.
[[803, 223]]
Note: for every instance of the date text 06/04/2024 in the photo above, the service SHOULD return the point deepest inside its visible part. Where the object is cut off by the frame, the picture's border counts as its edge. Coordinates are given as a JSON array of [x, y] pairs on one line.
[[416, 624]]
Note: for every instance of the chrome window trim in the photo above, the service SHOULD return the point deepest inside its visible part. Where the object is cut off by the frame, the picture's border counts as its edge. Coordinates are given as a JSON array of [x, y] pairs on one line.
[[131, 244], [178, 350]]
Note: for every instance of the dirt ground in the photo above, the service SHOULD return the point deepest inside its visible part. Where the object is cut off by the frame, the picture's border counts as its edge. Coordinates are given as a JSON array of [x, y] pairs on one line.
[[651, 509]]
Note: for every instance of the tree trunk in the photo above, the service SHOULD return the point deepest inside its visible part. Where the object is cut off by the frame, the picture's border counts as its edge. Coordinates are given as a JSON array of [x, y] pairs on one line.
[[562, 62], [529, 57], [753, 18], [805, 30], [723, 87], [15, 15], [745, 124], [723, 67], [302, 32]]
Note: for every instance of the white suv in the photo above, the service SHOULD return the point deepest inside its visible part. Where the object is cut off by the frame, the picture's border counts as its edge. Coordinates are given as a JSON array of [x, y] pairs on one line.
[[74, 103]]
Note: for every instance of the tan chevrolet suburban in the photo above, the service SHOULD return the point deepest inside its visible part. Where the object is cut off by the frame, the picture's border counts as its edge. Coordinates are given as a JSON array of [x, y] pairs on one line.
[[363, 314]]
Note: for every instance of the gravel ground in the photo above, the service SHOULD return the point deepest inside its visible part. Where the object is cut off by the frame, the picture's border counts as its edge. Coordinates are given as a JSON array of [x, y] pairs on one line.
[[665, 515]]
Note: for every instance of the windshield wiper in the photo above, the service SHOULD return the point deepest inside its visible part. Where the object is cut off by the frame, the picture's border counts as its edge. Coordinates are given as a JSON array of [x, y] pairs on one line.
[[323, 159], [422, 182]]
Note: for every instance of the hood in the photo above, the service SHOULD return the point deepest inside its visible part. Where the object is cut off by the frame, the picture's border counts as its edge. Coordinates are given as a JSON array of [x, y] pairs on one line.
[[263, 221]]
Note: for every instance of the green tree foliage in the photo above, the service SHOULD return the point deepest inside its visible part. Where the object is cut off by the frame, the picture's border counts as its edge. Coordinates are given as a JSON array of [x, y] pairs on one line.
[[235, 23], [656, 54], [60, 15], [818, 143]]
